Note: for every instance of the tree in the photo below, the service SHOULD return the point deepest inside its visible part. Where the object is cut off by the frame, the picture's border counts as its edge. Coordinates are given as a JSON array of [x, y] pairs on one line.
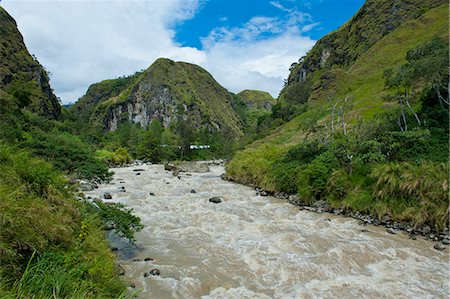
[[427, 63]]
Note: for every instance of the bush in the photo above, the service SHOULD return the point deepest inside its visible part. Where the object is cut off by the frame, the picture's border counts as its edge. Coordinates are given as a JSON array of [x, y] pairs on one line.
[[422, 187], [68, 153]]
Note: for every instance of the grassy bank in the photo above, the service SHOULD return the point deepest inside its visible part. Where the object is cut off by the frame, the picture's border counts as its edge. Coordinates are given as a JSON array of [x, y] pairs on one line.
[[51, 245]]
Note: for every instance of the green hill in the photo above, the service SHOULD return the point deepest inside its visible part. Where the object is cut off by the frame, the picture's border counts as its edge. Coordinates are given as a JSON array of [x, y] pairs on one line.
[[348, 113], [167, 91], [21, 74], [256, 99]]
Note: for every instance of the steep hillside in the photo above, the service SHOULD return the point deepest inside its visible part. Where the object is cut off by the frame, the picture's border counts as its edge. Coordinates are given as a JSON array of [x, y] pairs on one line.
[[255, 99], [341, 48], [352, 120], [21, 74], [168, 91]]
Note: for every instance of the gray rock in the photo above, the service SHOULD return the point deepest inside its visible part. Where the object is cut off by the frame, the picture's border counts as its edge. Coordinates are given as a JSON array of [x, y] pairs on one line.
[[439, 246], [224, 177], [152, 194], [193, 191], [155, 272], [138, 173], [426, 229], [147, 259], [264, 193], [293, 198], [138, 170], [446, 241], [86, 186], [391, 231], [385, 219], [215, 199], [107, 195]]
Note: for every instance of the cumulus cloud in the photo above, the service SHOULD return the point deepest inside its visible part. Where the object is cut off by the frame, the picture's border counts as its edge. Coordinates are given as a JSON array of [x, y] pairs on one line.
[[258, 54], [82, 42]]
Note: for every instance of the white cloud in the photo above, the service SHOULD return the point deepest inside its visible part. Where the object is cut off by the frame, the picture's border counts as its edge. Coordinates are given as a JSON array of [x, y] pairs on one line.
[[280, 6], [258, 54], [83, 42]]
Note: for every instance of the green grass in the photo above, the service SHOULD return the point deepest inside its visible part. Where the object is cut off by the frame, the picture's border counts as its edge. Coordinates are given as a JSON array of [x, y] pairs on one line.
[[51, 246]]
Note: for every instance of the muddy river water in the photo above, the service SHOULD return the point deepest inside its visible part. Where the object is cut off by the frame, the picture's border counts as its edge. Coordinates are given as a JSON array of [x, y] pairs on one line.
[[249, 246]]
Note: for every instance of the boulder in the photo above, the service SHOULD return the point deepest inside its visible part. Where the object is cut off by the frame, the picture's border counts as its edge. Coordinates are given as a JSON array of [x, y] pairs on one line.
[[152, 194], [439, 246], [385, 219], [193, 191], [138, 170], [215, 199], [426, 229], [155, 272], [86, 186], [147, 259], [169, 167], [391, 231], [107, 195]]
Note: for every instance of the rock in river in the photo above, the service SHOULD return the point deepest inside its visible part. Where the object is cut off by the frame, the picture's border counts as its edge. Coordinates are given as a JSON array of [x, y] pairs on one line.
[[155, 272], [439, 246], [215, 199], [107, 195]]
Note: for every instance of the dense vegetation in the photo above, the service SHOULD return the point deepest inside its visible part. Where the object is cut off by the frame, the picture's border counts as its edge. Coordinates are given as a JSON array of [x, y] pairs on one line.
[[52, 241], [369, 137]]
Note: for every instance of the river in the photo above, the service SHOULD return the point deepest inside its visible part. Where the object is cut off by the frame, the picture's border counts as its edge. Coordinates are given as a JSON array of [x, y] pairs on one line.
[[250, 246]]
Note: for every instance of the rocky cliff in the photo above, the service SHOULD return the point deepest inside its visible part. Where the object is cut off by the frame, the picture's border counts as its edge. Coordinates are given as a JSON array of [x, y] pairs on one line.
[[168, 91], [21, 75]]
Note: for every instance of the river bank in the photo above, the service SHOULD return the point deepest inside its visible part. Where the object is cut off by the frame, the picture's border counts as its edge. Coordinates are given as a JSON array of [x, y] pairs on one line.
[[251, 246]]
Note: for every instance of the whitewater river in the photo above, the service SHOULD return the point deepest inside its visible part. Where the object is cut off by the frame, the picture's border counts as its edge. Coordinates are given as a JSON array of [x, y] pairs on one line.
[[250, 246]]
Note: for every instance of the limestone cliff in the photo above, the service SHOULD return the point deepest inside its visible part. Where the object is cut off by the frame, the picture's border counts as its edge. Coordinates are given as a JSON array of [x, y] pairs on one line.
[[168, 91]]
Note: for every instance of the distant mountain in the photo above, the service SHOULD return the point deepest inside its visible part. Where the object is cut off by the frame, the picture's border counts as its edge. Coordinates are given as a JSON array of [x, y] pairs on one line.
[[167, 91], [21, 75], [255, 99]]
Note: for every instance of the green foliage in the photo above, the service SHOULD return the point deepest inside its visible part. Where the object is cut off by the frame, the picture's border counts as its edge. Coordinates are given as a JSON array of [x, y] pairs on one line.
[[50, 244], [296, 93], [120, 219], [68, 153]]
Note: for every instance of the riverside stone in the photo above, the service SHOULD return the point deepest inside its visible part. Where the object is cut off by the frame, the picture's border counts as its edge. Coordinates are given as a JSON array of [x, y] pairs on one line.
[[215, 199]]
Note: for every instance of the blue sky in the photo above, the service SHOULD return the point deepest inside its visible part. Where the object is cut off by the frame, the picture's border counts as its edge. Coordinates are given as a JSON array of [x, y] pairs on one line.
[[245, 44], [330, 14]]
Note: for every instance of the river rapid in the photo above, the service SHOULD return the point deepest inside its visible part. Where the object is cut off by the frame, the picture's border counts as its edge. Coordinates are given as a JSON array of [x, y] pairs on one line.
[[249, 246]]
